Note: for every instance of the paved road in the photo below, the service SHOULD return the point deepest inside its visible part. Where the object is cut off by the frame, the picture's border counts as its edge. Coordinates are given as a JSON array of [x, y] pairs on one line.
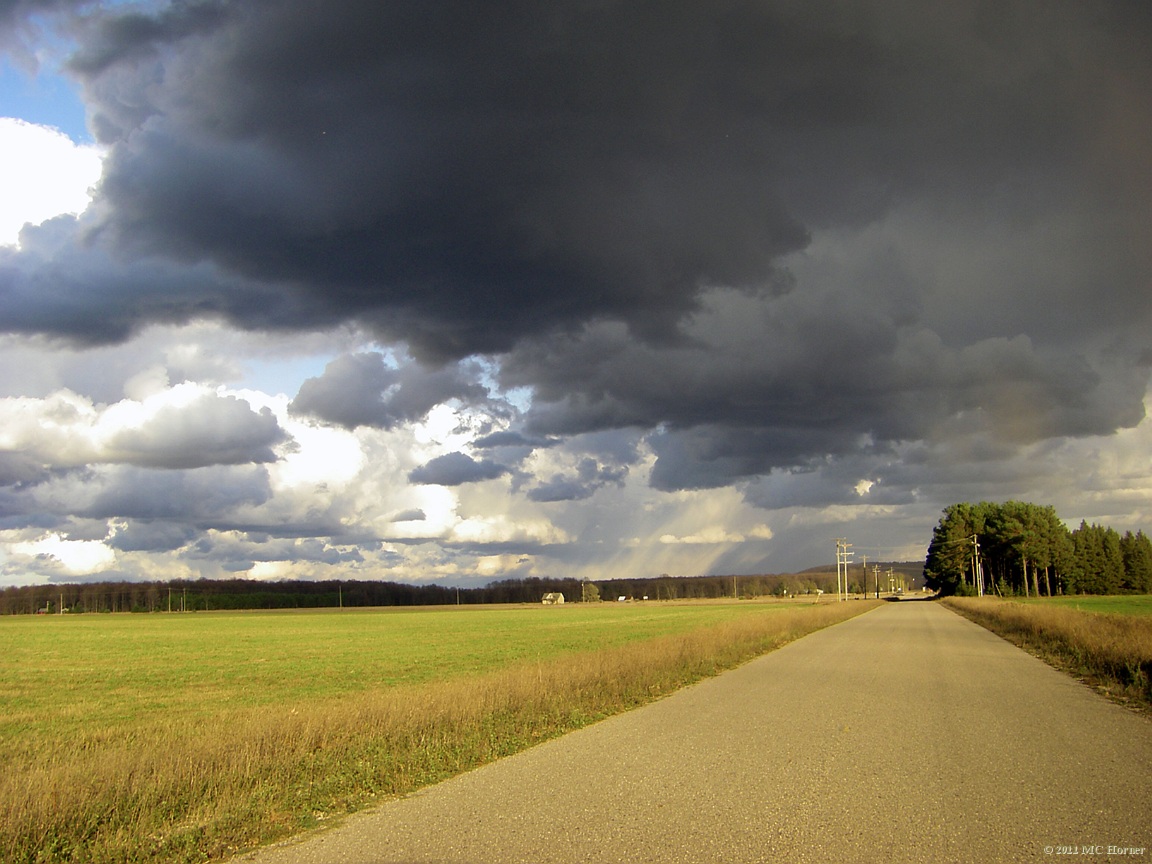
[[907, 734]]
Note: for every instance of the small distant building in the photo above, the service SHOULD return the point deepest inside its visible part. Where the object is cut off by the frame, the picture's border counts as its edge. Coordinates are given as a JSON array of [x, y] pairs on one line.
[[553, 598]]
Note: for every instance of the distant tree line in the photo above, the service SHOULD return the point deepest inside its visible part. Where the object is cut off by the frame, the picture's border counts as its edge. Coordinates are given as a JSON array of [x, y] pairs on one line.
[[223, 594], [1016, 548], [211, 594]]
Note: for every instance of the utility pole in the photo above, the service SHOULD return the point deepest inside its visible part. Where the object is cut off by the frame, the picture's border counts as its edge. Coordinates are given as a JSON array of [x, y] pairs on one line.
[[842, 556], [847, 555], [864, 583], [876, 578], [977, 567], [839, 546]]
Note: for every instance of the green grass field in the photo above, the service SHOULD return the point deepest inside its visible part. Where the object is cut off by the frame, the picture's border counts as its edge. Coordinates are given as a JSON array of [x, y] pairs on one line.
[[1127, 604], [82, 675], [186, 737]]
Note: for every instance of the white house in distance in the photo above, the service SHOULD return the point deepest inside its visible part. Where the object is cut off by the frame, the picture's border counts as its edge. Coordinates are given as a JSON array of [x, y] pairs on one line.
[[553, 598]]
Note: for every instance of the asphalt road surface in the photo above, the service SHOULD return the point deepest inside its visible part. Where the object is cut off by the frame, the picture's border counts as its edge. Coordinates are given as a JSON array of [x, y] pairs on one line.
[[905, 734]]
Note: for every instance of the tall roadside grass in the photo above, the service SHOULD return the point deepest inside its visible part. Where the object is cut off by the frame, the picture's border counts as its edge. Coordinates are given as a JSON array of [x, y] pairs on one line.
[[1111, 651], [195, 788]]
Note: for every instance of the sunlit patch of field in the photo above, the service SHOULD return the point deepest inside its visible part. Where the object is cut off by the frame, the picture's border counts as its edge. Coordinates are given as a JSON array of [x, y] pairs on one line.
[[1122, 604], [173, 737]]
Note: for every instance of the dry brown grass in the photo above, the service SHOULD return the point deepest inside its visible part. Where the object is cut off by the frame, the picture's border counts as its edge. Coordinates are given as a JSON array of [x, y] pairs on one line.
[[199, 790], [1112, 652]]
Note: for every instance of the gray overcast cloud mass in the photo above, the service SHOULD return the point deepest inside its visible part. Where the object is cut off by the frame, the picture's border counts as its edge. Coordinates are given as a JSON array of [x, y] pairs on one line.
[[791, 244]]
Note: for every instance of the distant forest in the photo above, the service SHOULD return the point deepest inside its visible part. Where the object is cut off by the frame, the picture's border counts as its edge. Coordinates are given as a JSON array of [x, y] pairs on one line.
[[205, 594], [1016, 548]]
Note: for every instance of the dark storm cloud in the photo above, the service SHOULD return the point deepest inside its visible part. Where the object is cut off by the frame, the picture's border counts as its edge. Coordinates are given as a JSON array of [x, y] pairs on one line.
[[708, 456], [588, 478], [15, 514], [198, 496], [560, 488], [57, 284], [154, 509], [83, 529], [455, 469], [248, 548], [458, 176], [833, 227], [763, 387], [361, 390], [150, 535], [510, 438], [210, 430], [19, 469], [835, 483], [135, 38]]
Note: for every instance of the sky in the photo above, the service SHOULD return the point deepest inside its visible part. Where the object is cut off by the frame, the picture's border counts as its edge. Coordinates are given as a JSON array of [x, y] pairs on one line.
[[451, 292]]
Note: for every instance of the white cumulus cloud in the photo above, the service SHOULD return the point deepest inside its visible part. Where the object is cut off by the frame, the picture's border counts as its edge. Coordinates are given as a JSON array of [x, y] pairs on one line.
[[75, 557], [43, 173]]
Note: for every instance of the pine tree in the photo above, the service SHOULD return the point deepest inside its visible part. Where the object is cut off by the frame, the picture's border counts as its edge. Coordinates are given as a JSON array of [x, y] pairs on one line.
[[947, 568], [1136, 552], [1097, 565]]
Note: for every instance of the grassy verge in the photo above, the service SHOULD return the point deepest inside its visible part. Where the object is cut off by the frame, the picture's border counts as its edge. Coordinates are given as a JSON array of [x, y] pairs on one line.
[[1125, 604], [1113, 652], [186, 785]]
